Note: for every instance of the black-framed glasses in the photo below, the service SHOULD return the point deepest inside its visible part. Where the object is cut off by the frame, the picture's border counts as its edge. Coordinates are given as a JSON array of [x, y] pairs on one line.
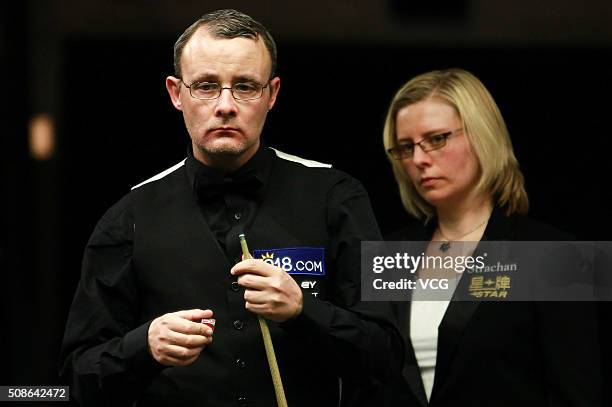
[[429, 143], [212, 90]]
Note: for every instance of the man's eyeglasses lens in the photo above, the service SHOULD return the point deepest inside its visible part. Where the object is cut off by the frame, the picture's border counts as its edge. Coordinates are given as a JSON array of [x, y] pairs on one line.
[[240, 91]]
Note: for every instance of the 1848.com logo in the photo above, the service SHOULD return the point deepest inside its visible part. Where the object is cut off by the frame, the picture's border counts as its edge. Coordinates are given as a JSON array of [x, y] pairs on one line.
[[287, 264]]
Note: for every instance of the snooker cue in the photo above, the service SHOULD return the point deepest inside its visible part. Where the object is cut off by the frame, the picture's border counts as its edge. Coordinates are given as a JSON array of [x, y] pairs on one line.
[[267, 339]]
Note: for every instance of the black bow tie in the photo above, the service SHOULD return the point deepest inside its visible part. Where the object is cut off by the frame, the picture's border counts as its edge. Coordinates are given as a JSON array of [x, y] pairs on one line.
[[212, 186]]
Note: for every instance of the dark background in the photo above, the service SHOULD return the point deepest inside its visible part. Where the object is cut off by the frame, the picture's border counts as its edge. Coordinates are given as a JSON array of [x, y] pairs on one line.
[[98, 67]]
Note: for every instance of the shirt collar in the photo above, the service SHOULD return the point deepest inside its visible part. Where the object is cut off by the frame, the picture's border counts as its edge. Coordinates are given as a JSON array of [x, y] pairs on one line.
[[256, 171]]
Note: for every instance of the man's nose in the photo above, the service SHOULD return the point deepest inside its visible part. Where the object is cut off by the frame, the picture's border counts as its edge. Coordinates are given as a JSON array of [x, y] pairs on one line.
[[226, 104]]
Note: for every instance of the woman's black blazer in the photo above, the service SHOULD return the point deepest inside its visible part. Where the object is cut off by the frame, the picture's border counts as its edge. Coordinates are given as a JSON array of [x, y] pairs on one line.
[[501, 353]]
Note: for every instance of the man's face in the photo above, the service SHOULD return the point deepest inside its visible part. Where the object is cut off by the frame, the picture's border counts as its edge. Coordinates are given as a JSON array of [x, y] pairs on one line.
[[224, 132]]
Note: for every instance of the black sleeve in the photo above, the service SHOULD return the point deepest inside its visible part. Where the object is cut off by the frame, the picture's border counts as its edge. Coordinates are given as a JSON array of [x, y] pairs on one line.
[[359, 338], [104, 357], [569, 339]]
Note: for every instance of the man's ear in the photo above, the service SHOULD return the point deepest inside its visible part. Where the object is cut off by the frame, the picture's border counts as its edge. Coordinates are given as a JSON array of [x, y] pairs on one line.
[[173, 85], [274, 88]]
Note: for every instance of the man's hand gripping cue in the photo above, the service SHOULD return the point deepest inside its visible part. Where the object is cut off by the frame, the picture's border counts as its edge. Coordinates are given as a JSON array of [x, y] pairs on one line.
[[269, 290]]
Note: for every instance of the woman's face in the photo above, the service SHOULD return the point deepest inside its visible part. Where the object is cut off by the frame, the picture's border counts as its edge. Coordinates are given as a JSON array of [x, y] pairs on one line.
[[448, 175]]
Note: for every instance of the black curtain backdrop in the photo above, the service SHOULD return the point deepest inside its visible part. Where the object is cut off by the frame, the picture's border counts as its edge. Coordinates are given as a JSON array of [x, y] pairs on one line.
[[122, 129], [119, 129]]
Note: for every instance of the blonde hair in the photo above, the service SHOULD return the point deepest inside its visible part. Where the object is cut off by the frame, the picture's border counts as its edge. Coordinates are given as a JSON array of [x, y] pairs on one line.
[[484, 127]]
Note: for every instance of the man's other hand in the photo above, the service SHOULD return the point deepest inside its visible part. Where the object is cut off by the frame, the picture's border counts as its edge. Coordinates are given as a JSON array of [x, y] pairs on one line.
[[176, 339]]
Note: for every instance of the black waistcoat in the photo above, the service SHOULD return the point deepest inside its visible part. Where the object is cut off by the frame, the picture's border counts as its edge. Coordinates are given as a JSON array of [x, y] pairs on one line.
[[179, 265]]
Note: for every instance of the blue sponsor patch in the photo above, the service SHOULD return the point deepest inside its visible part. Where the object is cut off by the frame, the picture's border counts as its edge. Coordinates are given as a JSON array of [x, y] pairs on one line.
[[295, 260]]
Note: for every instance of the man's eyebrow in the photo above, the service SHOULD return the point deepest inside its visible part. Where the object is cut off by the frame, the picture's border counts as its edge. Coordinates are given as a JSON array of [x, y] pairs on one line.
[[244, 78], [205, 77], [209, 77]]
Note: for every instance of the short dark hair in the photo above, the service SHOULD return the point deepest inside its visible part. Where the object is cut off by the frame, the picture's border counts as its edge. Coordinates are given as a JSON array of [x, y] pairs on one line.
[[229, 24]]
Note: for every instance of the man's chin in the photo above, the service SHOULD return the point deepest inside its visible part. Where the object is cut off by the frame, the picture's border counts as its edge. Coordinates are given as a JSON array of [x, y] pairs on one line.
[[223, 149], [224, 153]]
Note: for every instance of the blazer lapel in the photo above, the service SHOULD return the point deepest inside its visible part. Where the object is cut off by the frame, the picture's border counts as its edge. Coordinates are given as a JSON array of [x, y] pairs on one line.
[[411, 371], [456, 318], [459, 313]]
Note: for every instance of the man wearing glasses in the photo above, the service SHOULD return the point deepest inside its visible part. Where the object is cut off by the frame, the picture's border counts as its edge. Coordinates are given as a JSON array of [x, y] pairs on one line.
[[167, 256]]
